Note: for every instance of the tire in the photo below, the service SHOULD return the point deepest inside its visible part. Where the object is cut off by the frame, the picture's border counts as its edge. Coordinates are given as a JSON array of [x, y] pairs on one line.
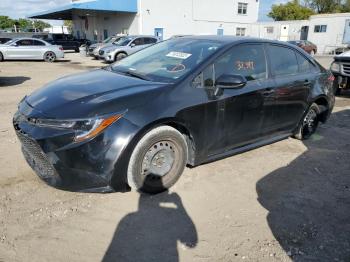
[[157, 161], [120, 56], [50, 57], [1, 57], [309, 123], [76, 50]]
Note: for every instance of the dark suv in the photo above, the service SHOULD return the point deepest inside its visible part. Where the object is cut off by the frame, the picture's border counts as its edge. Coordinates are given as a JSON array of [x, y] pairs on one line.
[[185, 101], [67, 41]]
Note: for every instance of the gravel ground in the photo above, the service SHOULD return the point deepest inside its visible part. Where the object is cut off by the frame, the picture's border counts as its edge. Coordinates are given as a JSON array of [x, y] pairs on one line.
[[285, 201]]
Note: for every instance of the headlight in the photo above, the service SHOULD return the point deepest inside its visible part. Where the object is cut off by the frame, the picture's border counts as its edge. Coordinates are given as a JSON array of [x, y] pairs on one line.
[[84, 128], [335, 67]]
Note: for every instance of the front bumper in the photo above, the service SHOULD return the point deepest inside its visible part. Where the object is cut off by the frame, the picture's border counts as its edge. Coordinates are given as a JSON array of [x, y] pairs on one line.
[[88, 166]]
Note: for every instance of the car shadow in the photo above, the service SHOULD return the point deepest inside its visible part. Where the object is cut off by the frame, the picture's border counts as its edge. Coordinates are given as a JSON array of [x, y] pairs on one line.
[[308, 201], [153, 231], [12, 80]]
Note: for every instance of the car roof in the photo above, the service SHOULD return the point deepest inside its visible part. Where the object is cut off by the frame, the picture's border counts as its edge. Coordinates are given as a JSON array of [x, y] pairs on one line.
[[136, 36], [228, 40]]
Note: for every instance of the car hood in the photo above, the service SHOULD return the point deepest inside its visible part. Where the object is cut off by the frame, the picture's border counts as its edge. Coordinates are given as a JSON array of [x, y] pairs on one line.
[[111, 47], [90, 94]]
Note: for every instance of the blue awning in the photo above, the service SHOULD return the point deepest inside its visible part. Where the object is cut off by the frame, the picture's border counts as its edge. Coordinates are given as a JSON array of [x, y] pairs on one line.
[[65, 12]]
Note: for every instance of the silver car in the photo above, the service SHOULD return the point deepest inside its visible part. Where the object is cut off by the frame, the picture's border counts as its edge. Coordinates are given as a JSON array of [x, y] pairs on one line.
[[30, 49], [97, 47], [125, 46]]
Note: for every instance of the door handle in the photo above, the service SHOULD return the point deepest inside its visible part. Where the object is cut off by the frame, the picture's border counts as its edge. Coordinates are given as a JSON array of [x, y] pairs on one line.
[[268, 92], [307, 82]]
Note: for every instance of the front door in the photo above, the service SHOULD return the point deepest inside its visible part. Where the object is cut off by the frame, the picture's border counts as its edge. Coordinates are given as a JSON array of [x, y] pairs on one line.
[[22, 49], [242, 112]]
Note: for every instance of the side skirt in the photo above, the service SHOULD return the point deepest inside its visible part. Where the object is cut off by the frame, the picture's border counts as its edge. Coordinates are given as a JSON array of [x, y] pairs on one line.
[[242, 149]]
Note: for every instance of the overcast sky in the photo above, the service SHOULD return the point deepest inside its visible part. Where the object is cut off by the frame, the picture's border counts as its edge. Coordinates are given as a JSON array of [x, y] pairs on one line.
[[22, 8]]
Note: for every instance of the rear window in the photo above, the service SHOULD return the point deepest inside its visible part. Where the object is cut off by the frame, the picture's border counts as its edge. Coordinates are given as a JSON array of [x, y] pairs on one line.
[[283, 61]]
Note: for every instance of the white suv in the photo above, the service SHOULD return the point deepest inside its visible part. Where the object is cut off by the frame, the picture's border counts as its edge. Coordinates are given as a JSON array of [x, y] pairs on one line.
[[125, 46]]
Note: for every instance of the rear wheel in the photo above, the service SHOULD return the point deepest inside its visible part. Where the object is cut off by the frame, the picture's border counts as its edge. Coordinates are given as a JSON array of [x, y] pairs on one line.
[[1, 57], [120, 56], [309, 124], [157, 161], [50, 57]]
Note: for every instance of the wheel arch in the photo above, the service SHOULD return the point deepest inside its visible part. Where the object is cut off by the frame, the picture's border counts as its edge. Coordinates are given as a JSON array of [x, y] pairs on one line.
[[119, 179], [324, 107], [119, 52]]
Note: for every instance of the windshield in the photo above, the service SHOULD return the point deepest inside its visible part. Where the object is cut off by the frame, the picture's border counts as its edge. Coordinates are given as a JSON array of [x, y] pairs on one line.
[[169, 60], [108, 40], [124, 41]]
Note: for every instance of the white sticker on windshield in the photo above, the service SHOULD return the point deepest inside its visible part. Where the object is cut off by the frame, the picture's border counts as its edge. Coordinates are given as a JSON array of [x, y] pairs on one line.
[[179, 55]]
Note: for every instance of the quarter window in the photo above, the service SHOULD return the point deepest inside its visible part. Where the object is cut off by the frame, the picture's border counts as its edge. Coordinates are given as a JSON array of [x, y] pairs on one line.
[[149, 41], [242, 8], [320, 28], [38, 43], [283, 61], [240, 31], [305, 66]]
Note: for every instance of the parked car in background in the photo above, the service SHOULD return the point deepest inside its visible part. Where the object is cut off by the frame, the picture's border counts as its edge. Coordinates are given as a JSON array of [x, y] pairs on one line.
[[3, 40], [67, 41], [184, 101], [125, 46], [30, 49], [95, 48], [307, 46], [341, 71]]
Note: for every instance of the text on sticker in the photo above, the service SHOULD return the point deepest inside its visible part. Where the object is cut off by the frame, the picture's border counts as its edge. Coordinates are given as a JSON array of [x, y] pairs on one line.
[[179, 55]]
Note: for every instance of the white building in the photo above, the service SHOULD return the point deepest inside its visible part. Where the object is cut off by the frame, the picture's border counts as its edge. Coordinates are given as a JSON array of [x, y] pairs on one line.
[[97, 19]]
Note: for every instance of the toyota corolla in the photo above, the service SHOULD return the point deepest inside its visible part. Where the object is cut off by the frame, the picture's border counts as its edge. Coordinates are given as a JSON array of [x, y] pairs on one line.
[[186, 101]]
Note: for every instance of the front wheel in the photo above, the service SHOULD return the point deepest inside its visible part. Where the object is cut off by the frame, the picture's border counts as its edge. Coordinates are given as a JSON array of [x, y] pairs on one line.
[[1, 57], [120, 56], [50, 57], [157, 161], [309, 124]]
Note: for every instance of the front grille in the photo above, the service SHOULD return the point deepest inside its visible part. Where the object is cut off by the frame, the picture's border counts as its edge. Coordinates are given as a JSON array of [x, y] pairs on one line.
[[101, 52], [36, 158], [346, 68], [91, 50]]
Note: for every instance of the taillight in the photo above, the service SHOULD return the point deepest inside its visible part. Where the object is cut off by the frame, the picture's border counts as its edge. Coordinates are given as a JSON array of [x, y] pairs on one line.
[[331, 78]]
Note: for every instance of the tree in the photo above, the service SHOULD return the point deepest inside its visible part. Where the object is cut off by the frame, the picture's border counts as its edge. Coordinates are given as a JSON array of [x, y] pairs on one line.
[[69, 25], [40, 24], [6, 22], [290, 11]]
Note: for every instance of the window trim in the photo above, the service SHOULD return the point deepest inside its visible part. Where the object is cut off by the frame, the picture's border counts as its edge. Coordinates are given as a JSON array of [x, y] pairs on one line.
[[320, 27], [244, 6], [240, 29]]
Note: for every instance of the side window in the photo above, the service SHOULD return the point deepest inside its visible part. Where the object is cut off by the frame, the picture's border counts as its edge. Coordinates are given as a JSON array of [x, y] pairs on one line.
[[305, 65], [138, 41], [25, 42], [283, 61], [38, 43], [246, 60], [149, 41]]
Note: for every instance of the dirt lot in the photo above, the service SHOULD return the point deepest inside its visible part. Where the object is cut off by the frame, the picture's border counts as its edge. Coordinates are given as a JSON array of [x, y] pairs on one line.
[[286, 201]]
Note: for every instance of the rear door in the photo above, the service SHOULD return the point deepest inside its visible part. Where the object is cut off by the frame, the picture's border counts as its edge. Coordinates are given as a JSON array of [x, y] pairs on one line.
[[292, 87], [38, 49]]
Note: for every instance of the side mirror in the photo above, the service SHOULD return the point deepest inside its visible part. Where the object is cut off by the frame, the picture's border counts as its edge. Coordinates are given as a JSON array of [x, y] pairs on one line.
[[132, 45], [230, 81], [14, 44]]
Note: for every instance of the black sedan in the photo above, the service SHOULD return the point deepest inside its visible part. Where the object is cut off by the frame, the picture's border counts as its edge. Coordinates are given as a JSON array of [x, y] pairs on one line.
[[186, 101]]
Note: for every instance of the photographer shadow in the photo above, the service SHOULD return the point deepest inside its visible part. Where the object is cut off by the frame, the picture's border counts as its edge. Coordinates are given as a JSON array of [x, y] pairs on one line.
[[309, 200], [153, 231]]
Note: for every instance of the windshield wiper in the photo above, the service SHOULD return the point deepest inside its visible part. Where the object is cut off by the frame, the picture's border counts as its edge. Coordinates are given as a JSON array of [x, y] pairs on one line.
[[134, 74]]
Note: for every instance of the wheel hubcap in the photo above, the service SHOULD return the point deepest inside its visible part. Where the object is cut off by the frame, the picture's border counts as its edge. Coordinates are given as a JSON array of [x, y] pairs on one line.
[[310, 122], [50, 57], [159, 159]]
